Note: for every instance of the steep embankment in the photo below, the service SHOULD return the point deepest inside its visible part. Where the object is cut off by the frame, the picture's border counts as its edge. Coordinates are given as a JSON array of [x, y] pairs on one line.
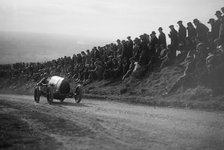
[[149, 90]]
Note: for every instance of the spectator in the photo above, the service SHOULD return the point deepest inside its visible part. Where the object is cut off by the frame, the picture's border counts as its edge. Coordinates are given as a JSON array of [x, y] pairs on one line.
[[118, 68], [131, 68], [215, 26], [125, 65], [88, 57], [145, 54], [130, 46], [98, 71], [127, 50], [191, 31], [221, 31], [202, 31], [214, 33], [119, 47], [162, 37], [174, 41], [153, 43], [108, 68], [136, 49], [165, 56], [181, 33]]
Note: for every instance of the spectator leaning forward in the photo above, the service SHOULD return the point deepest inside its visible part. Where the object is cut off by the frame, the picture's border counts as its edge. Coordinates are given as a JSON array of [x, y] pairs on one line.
[[202, 31]]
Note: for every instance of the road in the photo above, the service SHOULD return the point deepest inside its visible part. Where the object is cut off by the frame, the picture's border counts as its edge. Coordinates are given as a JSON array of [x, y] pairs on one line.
[[97, 124]]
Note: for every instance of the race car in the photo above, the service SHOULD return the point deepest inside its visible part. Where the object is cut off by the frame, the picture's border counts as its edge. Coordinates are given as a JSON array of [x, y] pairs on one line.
[[56, 87]]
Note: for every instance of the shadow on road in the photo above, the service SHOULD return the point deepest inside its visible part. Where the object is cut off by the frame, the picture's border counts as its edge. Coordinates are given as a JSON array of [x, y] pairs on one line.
[[69, 104]]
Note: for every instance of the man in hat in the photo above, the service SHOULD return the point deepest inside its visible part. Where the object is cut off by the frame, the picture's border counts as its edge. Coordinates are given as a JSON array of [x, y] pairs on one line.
[[108, 68], [125, 52], [162, 37], [222, 9], [218, 14], [136, 49], [153, 43], [221, 31], [219, 21], [181, 32], [174, 41], [215, 26], [98, 70], [119, 46], [202, 31], [130, 47], [129, 37], [144, 56], [130, 69], [191, 31], [88, 57], [214, 33]]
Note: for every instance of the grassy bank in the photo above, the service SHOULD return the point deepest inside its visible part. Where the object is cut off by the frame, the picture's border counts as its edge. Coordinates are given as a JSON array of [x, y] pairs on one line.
[[148, 91]]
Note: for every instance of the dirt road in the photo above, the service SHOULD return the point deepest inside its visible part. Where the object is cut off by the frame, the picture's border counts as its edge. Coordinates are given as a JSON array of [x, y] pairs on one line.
[[96, 125]]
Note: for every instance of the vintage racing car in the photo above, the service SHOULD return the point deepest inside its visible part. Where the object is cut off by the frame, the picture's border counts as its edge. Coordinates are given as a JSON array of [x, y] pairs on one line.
[[56, 87]]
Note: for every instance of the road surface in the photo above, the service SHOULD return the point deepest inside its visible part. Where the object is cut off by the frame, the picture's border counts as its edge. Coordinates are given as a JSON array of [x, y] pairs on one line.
[[99, 125]]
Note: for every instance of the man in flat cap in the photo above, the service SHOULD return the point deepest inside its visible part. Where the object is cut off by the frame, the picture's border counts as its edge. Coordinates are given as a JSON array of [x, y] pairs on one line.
[[219, 17], [174, 41], [153, 43], [191, 31], [162, 37], [144, 56], [218, 14], [222, 9], [215, 27], [119, 47], [136, 49], [221, 31], [181, 32], [202, 31], [130, 45]]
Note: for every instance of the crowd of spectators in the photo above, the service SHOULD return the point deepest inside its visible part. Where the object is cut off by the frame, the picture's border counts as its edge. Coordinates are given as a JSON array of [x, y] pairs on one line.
[[194, 44]]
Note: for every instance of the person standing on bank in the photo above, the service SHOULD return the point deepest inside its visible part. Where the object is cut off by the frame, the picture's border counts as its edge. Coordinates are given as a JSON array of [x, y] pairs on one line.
[[181, 33], [174, 41], [162, 37], [202, 31]]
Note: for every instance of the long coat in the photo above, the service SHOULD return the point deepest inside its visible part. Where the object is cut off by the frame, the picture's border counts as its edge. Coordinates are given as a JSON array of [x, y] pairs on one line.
[[162, 39]]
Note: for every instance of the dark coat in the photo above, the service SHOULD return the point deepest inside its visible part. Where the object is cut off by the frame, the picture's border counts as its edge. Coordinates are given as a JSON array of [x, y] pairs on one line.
[[174, 38], [127, 50], [162, 39], [215, 27], [192, 33], [202, 32], [153, 43], [182, 33]]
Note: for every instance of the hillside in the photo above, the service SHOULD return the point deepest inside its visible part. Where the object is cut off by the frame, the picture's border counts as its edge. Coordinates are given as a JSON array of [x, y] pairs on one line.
[[38, 47], [149, 90]]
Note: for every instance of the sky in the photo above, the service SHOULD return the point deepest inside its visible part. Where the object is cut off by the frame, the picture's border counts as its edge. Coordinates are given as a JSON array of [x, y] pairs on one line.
[[106, 19], [90, 22]]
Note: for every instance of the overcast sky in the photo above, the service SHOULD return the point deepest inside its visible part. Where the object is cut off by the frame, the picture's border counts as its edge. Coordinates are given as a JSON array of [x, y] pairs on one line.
[[108, 19]]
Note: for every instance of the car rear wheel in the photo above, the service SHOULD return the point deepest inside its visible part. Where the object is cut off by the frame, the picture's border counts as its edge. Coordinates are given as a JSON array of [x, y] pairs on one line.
[[49, 95]]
